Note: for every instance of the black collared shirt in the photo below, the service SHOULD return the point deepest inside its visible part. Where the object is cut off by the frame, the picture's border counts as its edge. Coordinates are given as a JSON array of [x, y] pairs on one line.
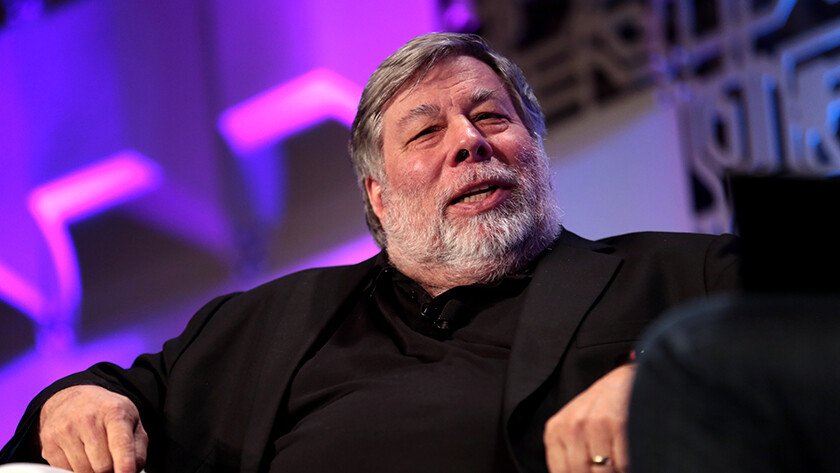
[[407, 382]]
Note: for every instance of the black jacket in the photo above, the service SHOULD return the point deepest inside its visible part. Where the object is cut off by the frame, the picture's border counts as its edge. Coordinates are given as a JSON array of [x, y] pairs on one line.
[[210, 399]]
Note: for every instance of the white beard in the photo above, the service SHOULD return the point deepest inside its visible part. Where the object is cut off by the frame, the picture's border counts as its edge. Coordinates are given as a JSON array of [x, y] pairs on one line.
[[481, 248]]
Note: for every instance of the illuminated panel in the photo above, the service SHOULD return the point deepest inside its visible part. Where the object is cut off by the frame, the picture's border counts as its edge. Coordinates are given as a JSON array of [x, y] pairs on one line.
[[270, 117], [54, 206], [21, 294], [288, 108]]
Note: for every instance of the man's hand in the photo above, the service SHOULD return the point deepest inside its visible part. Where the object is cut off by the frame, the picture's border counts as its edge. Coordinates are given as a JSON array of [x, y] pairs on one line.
[[90, 429], [589, 433]]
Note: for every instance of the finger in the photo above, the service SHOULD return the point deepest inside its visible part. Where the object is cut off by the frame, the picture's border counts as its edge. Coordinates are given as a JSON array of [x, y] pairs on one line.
[[578, 455], [96, 447], [621, 452], [555, 438], [600, 441], [141, 445], [54, 456], [63, 448], [122, 446], [74, 450], [600, 463], [555, 458], [98, 457]]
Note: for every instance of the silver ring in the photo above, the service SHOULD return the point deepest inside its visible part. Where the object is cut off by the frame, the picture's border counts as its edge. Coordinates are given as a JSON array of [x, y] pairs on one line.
[[600, 460]]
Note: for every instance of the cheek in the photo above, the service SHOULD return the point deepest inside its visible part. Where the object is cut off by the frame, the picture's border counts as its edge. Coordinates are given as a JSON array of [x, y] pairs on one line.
[[413, 175], [509, 148], [410, 192]]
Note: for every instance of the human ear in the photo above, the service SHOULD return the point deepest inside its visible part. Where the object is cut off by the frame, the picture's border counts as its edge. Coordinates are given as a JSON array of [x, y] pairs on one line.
[[374, 192]]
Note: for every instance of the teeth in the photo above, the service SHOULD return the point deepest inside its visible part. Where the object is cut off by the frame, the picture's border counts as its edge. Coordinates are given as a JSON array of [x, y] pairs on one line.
[[480, 194]]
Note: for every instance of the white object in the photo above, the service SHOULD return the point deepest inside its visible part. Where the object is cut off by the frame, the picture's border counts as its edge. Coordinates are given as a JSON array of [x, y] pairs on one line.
[[29, 468]]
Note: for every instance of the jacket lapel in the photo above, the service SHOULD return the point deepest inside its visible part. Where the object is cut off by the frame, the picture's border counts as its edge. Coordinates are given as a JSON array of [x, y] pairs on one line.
[[300, 320], [566, 283]]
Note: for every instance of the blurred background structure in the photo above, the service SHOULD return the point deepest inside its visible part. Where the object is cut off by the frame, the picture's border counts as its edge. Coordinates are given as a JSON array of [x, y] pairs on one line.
[[154, 154]]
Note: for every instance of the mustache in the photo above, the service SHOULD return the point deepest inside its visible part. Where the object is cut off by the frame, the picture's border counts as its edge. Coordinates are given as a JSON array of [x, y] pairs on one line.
[[492, 171]]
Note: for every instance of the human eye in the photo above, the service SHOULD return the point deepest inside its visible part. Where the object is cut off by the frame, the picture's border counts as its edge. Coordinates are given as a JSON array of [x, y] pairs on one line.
[[424, 133], [489, 111], [490, 118]]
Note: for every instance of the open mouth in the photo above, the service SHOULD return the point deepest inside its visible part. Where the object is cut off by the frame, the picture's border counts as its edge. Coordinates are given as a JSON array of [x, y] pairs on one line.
[[476, 195]]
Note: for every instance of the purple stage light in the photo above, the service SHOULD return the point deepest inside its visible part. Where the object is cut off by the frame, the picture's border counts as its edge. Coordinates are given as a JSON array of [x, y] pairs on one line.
[[20, 293], [272, 115], [54, 206]]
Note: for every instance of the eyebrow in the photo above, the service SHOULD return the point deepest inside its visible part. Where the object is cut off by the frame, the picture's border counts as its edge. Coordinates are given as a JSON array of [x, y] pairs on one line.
[[421, 111], [428, 110], [485, 95]]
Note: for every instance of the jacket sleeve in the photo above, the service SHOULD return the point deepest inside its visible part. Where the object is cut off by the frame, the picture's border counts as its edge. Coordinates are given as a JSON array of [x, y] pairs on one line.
[[145, 383]]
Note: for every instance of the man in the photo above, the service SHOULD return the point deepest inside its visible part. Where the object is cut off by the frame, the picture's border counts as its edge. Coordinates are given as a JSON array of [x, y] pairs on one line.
[[483, 338]]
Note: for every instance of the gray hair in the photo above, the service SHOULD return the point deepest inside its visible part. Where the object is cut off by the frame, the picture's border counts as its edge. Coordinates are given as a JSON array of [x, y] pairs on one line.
[[413, 61]]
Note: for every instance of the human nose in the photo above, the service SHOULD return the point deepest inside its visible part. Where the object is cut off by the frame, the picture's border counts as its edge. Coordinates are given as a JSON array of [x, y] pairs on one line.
[[469, 145]]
